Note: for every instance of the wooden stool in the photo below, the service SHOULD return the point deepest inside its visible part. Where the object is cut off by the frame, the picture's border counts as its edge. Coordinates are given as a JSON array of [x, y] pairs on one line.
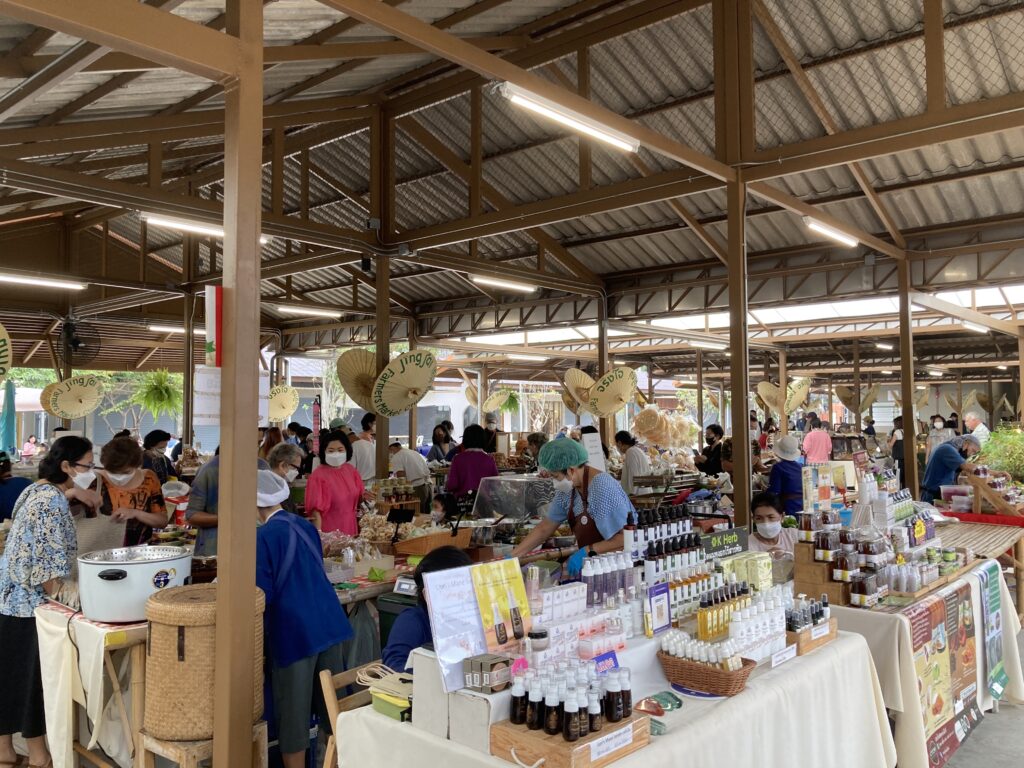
[[188, 754]]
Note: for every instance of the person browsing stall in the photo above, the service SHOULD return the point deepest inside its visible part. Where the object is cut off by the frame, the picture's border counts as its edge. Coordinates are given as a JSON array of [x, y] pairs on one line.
[[441, 444], [407, 463], [710, 460], [412, 626], [154, 457], [818, 443], [786, 478], [130, 492], [472, 464], [591, 501], [304, 623], [335, 488], [10, 487], [285, 460], [947, 461], [203, 503], [635, 462], [769, 535]]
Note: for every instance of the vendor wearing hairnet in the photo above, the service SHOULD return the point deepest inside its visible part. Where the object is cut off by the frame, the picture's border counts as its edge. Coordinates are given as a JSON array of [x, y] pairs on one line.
[[592, 502], [304, 623]]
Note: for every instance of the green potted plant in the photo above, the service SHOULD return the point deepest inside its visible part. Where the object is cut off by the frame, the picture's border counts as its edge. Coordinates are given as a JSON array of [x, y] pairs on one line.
[[1004, 451], [159, 392]]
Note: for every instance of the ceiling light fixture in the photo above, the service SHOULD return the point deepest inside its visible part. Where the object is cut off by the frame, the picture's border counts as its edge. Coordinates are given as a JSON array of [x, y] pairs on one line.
[[533, 358], [184, 225], [830, 232], [921, 386], [43, 282], [974, 327], [936, 373], [567, 117], [1001, 367], [507, 284], [175, 329], [887, 347], [887, 373], [286, 309], [707, 345]]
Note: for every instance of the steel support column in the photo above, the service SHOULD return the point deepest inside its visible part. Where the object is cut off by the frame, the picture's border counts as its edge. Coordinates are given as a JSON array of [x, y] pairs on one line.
[[606, 426], [909, 457], [856, 386]]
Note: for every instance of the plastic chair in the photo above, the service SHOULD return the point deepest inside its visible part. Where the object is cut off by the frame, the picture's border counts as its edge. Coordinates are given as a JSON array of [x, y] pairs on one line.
[[330, 685]]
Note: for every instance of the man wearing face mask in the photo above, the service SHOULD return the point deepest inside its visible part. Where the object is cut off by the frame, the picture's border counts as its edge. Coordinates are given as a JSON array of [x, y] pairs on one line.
[[946, 462], [710, 460], [591, 501], [285, 460], [769, 536]]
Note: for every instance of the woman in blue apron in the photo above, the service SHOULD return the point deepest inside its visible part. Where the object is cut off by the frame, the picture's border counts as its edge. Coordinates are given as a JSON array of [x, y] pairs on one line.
[[591, 501]]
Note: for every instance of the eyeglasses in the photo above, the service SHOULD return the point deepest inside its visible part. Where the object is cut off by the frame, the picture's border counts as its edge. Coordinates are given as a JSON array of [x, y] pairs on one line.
[[297, 467], [87, 466]]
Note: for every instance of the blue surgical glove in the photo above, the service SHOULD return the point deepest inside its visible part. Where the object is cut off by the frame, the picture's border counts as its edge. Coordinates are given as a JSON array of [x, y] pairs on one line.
[[575, 563]]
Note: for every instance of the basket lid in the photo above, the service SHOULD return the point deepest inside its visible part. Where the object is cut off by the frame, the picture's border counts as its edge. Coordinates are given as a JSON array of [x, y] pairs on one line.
[[133, 555], [191, 606]]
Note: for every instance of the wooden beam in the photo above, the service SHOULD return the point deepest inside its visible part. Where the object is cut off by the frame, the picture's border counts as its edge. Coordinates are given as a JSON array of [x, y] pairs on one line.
[[453, 49], [967, 314], [934, 55], [278, 54], [908, 393], [137, 29]]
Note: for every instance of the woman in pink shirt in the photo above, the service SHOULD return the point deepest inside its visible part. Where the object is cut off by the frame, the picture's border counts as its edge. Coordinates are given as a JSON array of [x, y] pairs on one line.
[[472, 464], [335, 487], [817, 445]]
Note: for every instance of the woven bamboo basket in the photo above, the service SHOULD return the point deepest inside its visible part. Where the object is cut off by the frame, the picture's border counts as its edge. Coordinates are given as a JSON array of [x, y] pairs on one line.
[[704, 678], [180, 662], [421, 545]]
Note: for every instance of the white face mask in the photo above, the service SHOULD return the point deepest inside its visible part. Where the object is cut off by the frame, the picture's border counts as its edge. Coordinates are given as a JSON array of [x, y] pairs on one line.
[[938, 424], [564, 485], [335, 459], [769, 530], [121, 479], [84, 479], [291, 474]]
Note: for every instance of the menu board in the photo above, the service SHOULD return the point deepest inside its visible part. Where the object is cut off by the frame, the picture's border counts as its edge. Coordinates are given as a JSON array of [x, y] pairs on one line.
[[945, 659]]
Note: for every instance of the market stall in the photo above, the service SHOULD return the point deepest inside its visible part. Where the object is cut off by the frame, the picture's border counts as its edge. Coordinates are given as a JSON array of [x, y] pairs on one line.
[[825, 704]]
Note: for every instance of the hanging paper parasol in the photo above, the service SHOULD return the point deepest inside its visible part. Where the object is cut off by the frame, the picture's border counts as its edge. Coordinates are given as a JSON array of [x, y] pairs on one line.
[[640, 399], [869, 398], [44, 397], [921, 401], [971, 399], [770, 395], [951, 404], [6, 353], [404, 382], [495, 401], [75, 398], [357, 370], [570, 405], [797, 394], [471, 394], [284, 401], [612, 392], [845, 395], [578, 383], [985, 402]]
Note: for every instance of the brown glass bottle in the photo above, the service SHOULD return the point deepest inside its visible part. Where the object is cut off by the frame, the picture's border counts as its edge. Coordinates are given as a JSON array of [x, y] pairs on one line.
[[594, 717], [613, 701], [552, 713], [535, 709], [571, 720]]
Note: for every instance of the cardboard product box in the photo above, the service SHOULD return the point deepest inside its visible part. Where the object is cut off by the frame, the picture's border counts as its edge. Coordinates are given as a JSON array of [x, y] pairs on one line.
[[472, 713], [815, 573], [430, 702], [495, 672], [838, 592], [803, 553]]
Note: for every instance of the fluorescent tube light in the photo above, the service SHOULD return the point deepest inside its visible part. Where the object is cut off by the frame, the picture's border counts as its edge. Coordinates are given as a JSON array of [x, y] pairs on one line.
[[921, 386], [184, 225], [936, 373], [887, 347], [1001, 367], [707, 345], [887, 373], [175, 329], [830, 232], [534, 358], [507, 284], [974, 327], [43, 282], [286, 309], [568, 117]]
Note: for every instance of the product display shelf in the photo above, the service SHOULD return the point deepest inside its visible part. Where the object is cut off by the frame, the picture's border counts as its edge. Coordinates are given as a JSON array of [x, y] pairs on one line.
[[909, 597], [613, 742], [983, 492], [812, 638]]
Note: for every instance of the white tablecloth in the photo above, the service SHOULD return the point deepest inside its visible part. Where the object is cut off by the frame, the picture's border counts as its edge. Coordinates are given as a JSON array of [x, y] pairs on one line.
[[78, 677], [888, 636], [827, 703]]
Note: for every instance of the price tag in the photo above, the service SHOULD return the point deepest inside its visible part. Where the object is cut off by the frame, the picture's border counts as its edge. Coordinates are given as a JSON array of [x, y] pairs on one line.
[[820, 631], [613, 741], [781, 657]]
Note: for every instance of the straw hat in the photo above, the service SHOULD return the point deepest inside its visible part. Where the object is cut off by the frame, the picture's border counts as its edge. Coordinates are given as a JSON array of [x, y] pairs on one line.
[[284, 401], [787, 448], [612, 392], [404, 382], [357, 370], [76, 397]]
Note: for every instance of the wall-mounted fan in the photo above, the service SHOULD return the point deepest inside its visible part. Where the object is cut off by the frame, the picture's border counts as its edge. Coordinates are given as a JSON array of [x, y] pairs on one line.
[[78, 343]]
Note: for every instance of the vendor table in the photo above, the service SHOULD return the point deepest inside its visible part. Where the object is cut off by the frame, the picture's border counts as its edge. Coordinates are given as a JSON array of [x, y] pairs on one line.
[[889, 635], [371, 590], [83, 662], [987, 540], [821, 709]]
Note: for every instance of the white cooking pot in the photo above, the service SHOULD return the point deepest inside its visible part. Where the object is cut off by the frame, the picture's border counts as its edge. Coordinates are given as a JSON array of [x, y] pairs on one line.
[[114, 584]]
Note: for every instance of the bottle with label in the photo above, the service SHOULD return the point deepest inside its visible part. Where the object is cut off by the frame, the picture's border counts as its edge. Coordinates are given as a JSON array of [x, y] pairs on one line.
[[500, 632], [552, 712], [571, 719], [629, 535], [613, 710], [627, 691], [590, 581], [581, 703], [535, 707], [518, 630], [519, 703], [595, 719]]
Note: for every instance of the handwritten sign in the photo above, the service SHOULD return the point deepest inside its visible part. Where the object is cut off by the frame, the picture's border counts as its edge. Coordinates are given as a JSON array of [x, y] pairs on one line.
[[819, 631], [595, 451], [781, 657], [725, 543], [613, 742]]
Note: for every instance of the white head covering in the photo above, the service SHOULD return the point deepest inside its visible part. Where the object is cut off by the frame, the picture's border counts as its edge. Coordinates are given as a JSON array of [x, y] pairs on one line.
[[787, 448], [271, 488]]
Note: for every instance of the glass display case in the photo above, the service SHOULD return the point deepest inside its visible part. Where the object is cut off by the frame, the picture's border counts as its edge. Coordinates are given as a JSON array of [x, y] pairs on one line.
[[512, 498]]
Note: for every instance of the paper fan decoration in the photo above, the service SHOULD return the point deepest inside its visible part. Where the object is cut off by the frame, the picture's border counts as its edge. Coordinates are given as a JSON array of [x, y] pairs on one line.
[[44, 397], [761, 403], [921, 401], [578, 383], [404, 382], [495, 401], [769, 393], [570, 405], [357, 370], [6, 353], [869, 399], [845, 395], [75, 398], [1004, 402], [985, 402], [971, 399], [797, 394], [612, 392], [284, 401], [950, 403], [471, 394]]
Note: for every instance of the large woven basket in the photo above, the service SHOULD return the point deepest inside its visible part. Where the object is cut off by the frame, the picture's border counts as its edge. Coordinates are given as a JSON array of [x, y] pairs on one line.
[[704, 678], [421, 545], [181, 658]]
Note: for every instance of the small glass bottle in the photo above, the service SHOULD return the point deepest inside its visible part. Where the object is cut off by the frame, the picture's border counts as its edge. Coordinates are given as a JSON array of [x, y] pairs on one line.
[[519, 703], [571, 720], [535, 707], [581, 703], [613, 699], [627, 691], [552, 712], [595, 720]]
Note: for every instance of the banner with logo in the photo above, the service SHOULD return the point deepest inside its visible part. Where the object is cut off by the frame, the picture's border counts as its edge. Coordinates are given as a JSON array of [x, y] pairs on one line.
[[992, 617]]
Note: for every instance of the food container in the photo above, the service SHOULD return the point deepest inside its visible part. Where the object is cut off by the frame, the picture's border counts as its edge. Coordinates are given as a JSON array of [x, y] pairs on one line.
[[115, 583]]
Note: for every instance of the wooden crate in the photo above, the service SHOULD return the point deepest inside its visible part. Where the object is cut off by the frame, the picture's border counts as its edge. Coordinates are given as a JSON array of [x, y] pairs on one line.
[[613, 741], [838, 592], [806, 641]]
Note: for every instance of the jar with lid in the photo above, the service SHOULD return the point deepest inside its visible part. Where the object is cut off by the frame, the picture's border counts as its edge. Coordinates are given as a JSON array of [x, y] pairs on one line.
[[873, 547], [826, 544], [539, 640], [858, 591], [847, 540], [845, 565], [831, 520], [808, 523]]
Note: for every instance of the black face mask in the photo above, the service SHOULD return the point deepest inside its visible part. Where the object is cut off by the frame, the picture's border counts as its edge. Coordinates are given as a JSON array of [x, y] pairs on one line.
[[710, 439]]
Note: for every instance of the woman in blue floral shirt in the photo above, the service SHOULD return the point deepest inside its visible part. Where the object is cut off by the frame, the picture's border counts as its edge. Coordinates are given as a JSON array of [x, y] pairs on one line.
[[40, 549]]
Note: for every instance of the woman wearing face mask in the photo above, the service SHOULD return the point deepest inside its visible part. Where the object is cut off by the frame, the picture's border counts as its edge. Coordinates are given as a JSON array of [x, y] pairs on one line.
[[130, 492], [285, 460], [710, 461], [335, 487], [766, 511], [591, 501], [442, 443], [938, 433], [154, 446], [635, 462], [41, 548]]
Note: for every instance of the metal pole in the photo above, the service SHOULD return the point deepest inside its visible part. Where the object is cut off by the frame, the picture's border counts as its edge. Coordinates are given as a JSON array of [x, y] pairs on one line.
[[700, 389], [604, 425], [783, 379], [856, 386], [909, 457]]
